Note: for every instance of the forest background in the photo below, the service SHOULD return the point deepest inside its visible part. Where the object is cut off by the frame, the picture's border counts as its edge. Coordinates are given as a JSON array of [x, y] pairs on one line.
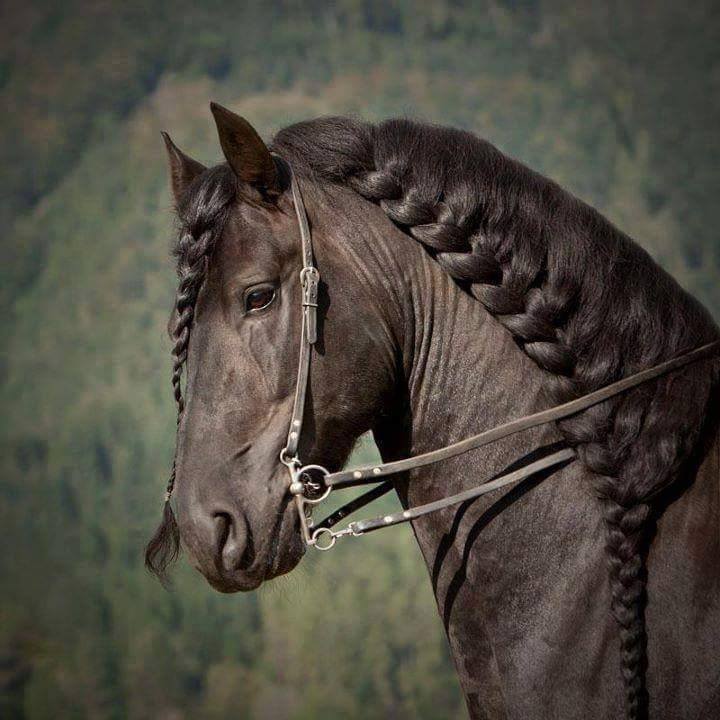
[[617, 101]]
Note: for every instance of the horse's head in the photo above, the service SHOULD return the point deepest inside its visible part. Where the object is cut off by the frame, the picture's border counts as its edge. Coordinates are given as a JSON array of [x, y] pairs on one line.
[[236, 329]]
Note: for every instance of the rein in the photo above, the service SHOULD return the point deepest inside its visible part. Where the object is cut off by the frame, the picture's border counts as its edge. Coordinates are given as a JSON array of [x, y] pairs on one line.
[[309, 490]]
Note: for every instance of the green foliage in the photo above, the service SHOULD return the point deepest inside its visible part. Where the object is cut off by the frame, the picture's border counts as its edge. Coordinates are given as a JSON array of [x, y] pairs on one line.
[[616, 105]]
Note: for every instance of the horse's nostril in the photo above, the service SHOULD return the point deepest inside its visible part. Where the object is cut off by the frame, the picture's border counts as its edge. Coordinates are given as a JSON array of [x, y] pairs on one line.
[[234, 547], [223, 524]]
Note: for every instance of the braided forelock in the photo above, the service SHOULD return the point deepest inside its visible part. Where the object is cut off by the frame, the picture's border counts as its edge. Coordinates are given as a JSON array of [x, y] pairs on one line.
[[583, 301], [203, 214]]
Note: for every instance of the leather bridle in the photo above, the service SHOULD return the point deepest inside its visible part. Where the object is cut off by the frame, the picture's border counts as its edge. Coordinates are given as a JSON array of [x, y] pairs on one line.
[[310, 485]]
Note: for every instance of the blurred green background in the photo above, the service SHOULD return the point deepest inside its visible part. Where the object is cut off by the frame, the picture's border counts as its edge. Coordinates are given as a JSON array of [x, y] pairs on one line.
[[619, 102]]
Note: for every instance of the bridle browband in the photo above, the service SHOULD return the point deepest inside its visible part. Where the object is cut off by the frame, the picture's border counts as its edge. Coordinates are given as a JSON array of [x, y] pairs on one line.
[[309, 490]]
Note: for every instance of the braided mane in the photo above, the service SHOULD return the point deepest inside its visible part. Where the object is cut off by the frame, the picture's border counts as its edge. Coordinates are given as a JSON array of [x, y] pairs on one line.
[[202, 213], [585, 302]]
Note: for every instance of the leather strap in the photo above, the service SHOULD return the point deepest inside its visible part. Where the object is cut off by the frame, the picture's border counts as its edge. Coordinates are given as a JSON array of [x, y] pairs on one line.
[[309, 283], [360, 527], [359, 502], [373, 473]]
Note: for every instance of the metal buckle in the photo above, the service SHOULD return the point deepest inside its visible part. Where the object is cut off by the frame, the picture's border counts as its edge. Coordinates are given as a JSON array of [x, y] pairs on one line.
[[309, 277]]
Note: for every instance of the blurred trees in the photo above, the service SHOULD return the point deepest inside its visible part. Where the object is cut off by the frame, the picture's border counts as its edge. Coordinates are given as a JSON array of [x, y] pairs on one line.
[[617, 103]]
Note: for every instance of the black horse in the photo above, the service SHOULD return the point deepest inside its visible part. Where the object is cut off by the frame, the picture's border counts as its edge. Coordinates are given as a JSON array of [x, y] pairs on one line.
[[460, 290]]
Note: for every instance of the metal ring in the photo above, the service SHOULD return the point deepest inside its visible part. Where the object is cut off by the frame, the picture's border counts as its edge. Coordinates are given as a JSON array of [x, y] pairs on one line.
[[325, 472], [315, 538], [289, 462]]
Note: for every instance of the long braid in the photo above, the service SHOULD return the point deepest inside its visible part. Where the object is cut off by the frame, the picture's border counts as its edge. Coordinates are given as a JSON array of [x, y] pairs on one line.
[[203, 218], [507, 290], [528, 252]]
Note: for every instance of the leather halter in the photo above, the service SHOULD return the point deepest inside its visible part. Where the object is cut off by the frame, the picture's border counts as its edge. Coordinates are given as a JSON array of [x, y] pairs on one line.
[[309, 490]]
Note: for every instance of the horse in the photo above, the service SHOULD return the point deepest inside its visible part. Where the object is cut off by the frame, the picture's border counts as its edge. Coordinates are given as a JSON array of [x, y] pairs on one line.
[[460, 290]]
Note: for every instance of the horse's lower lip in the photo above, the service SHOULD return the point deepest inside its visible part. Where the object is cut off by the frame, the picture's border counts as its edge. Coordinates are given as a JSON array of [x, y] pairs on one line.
[[244, 583], [277, 564]]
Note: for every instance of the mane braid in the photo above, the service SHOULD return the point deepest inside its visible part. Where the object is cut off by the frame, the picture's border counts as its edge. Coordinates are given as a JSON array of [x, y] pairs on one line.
[[203, 213], [579, 297]]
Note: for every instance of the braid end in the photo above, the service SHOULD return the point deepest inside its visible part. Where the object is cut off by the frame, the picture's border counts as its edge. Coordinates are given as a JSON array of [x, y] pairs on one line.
[[627, 581], [164, 547]]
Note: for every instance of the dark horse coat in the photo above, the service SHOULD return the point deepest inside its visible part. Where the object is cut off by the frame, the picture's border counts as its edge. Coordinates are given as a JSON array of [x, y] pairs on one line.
[[461, 290]]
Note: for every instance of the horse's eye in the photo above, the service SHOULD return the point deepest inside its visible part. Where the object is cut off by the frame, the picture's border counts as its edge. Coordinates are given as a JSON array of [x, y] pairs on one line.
[[259, 299]]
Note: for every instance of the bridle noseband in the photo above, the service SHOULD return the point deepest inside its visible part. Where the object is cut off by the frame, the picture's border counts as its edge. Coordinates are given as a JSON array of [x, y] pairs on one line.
[[310, 485]]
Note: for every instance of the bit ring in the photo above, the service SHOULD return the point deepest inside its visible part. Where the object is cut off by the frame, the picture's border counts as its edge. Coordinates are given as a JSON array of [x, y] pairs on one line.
[[325, 472], [330, 542]]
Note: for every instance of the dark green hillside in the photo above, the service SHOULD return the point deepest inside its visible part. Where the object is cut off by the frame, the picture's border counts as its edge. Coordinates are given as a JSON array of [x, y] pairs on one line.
[[622, 106]]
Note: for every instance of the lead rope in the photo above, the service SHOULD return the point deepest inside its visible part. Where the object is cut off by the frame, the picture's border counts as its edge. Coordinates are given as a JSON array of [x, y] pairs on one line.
[[308, 491]]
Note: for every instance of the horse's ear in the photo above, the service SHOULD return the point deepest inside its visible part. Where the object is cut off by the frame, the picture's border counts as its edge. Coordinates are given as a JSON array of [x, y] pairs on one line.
[[245, 151], [183, 169]]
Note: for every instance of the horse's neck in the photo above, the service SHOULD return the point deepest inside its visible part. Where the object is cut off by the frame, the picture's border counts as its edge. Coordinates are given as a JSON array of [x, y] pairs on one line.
[[500, 564], [465, 374], [505, 567], [520, 576]]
